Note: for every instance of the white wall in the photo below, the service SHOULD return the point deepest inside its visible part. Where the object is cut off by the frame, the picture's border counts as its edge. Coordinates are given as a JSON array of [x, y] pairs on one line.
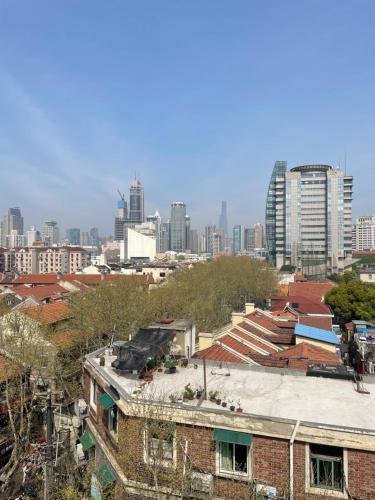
[[140, 245]]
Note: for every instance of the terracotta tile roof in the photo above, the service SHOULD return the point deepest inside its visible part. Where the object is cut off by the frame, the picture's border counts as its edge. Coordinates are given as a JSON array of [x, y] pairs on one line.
[[299, 357], [318, 321], [217, 353], [310, 290], [41, 292], [300, 304], [35, 279], [49, 313], [236, 345], [255, 342]]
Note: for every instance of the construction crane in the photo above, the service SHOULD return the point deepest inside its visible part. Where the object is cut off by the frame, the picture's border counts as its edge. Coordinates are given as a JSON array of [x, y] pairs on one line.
[[122, 196]]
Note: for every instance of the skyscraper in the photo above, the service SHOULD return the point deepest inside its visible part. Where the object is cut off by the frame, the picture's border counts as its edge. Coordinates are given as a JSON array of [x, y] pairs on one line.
[[312, 220], [13, 221], [278, 172], [238, 239], [32, 235], [136, 203], [120, 220], [223, 220], [249, 239], [156, 220], [73, 235], [209, 232], [178, 227], [94, 236], [50, 232], [188, 238], [258, 235]]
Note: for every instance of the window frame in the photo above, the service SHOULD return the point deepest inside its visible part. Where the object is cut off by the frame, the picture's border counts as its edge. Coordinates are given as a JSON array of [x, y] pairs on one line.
[[163, 462], [324, 491], [93, 393], [113, 430], [234, 474]]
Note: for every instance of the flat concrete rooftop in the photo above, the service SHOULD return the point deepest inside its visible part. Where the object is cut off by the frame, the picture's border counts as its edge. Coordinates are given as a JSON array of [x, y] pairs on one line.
[[263, 393]]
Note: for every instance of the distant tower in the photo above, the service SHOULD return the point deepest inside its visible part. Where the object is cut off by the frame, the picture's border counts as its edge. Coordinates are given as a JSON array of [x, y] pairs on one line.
[[223, 220], [136, 203], [13, 221], [50, 232], [278, 173], [178, 227], [120, 220]]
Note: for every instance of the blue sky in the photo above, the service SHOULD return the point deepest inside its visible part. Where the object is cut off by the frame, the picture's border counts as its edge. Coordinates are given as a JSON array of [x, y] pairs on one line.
[[200, 97]]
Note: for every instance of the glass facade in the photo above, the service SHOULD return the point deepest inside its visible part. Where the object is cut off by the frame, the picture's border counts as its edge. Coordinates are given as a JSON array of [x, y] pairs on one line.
[[279, 170], [178, 227]]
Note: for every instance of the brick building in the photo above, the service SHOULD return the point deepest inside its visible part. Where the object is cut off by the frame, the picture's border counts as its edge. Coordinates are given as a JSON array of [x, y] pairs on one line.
[[294, 437]]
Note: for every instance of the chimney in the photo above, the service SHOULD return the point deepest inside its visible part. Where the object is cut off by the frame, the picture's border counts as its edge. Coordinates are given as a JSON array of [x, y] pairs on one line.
[[205, 340], [237, 317], [249, 307]]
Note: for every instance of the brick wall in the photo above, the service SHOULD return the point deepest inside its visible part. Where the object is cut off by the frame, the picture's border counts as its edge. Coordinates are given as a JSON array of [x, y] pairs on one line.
[[270, 459]]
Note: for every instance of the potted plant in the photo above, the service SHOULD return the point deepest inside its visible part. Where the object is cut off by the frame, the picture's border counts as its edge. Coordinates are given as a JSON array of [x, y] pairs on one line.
[[231, 405], [184, 362], [148, 377], [188, 392], [212, 395], [173, 398], [239, 408], [102, 360], [199, 392], [224, 403], [170, 365], [218, 401]]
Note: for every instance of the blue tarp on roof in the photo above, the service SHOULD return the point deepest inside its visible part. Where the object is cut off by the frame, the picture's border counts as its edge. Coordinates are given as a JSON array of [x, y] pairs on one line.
[[315, 333]]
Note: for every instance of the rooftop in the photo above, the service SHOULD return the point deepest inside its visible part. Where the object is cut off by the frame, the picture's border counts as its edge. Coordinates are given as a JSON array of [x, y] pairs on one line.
[[263, 392], [315, 333]]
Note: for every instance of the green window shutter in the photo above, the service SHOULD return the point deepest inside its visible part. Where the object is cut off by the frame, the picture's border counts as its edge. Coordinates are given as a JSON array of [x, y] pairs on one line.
[[87, 441], [106, 401], [105, 475], [226, 436]]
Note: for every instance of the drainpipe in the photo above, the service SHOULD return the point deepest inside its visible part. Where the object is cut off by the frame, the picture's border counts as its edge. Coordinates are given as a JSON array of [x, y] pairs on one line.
[[291, 461]]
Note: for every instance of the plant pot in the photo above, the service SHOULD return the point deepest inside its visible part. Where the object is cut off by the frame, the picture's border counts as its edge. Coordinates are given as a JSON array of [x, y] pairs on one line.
[[160, 370], [232, 408], [224, 404], [172, 369], [102, 361], [218, 401], [198, 395], [190, 396], [184, 363], [239, 410]]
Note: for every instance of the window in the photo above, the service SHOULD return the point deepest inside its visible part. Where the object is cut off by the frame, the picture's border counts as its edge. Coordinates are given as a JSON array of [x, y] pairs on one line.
[[161, 449], [160, 443], [113, 419], [326, 467], [233, 458], [93, 393]]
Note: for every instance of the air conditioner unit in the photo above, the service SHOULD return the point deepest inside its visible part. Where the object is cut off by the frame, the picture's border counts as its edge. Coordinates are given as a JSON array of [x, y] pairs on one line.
[[201, 483], [266, 491]]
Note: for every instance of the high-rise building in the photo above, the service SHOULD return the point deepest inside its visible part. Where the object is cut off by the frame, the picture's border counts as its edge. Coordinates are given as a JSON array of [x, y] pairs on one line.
[[278, 172], [209, 232], [223, 219], [73, 235], [156, 220], [218, 241], [258, 235], [50, 232], [32, 236], [13, 221], [249, 239], [188, 239], [194, 241], [136, 203], [364, 233], [238, 239], [178, 227], [94, 236], [165, 237], [312, 223], [15, 240], [120, 220]]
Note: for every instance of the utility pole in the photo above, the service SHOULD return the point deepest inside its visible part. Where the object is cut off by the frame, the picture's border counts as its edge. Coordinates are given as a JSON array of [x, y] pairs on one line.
[[49, 450]]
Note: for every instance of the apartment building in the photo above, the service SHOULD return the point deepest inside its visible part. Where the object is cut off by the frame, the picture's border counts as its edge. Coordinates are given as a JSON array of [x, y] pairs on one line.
[[260, 431], [42, 260], [364, 233]]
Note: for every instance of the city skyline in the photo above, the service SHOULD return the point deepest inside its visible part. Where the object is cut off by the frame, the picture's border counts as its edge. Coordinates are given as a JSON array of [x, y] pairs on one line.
[[76, 123]]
